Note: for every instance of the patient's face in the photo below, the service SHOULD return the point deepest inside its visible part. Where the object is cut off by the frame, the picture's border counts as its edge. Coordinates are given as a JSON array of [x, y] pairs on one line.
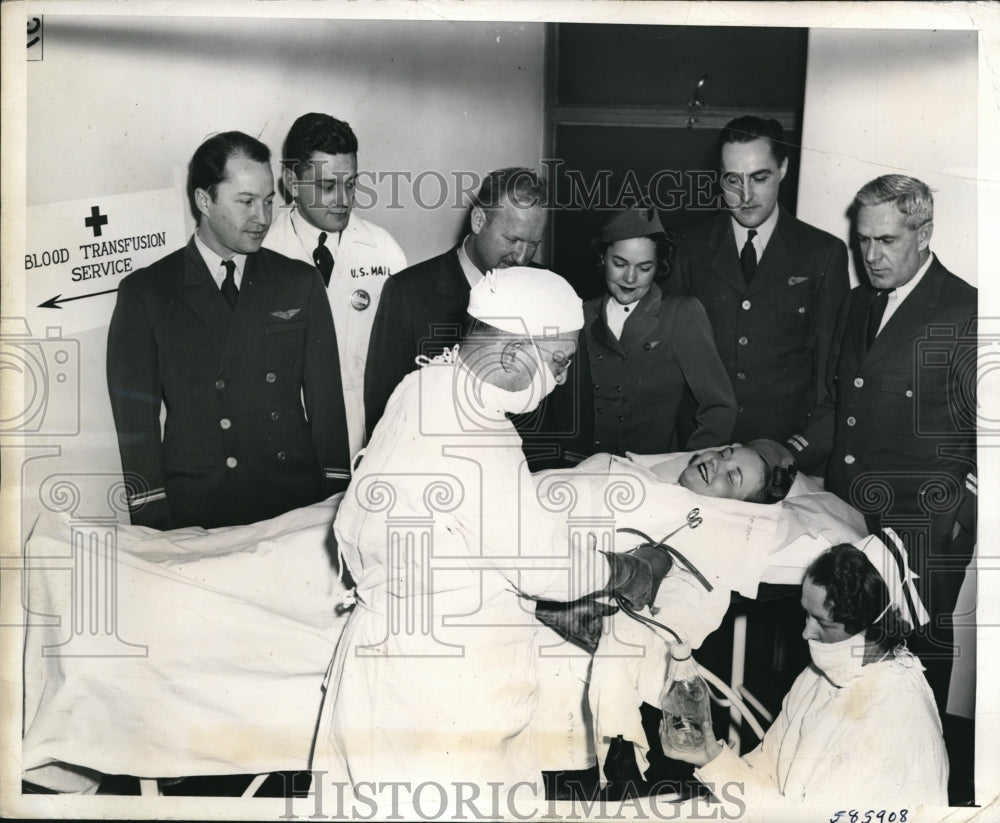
[[734, 472]]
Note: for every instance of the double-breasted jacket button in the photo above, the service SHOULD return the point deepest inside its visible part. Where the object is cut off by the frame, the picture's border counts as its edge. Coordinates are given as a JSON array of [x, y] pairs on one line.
[[802, 309], [226, 423], [743, 341], [274, 415], [220, 383], [281, 455], [849, 459], [858, 382], [746, 305], [909, 392], [741, 375], [231, 462], [851, 421], [270, 377], [648, 346]]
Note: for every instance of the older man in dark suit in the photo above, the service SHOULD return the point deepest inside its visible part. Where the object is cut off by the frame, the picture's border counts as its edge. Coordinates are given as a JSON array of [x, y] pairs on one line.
[[230, 338], [771, 285], [423, 307], [897, 422]]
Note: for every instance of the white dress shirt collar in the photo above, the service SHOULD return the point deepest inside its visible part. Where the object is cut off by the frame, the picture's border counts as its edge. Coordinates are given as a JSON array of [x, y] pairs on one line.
[[308, 234], [763, 236], [472, 274], [900, 293], [615, 315], [214, 263]]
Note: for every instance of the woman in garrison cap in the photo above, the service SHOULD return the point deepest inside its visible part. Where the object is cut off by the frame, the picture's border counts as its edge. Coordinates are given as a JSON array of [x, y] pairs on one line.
[[647, 349]]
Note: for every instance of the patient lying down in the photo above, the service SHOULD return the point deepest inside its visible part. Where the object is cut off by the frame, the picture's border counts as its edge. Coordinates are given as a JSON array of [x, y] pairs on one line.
[[751, 473], [736, 472], [758, 521]]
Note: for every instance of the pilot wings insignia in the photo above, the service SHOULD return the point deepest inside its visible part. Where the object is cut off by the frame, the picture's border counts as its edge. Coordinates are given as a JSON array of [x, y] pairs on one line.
[[286, 314], [794, 281]]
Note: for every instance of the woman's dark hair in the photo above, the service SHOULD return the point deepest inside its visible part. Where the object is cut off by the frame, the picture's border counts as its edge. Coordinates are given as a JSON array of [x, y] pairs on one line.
[[777, 483], [665, 248], [856, 595]]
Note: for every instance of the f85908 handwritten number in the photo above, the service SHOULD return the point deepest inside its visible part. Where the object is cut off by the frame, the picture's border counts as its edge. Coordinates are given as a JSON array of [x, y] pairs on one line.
[[869, 816]]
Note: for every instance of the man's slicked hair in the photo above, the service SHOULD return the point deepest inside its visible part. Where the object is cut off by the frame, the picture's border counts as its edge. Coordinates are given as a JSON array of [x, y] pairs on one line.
[[748, 128], [208, 165], [521, 186], [912, 197], [315, 132]]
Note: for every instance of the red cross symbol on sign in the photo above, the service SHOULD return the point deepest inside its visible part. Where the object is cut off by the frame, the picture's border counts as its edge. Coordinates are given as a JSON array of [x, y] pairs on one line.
[[96, 220]]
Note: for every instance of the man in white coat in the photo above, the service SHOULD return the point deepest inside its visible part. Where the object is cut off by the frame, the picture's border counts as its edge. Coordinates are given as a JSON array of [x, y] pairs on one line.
[[434, 681], [355, 257]]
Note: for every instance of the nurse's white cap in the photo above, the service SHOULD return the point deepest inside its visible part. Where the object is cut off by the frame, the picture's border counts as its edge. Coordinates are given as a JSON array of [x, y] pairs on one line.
[[888, 555], [526, 301]]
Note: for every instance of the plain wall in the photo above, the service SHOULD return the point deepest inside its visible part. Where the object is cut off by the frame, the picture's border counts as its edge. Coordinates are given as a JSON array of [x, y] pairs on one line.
[[893, 101], [120, 104]]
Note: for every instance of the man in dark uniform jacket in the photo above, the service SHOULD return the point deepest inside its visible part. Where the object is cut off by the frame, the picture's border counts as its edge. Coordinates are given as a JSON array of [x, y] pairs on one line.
[[230, 338], [423, 307], [771, 284], [897, 422]]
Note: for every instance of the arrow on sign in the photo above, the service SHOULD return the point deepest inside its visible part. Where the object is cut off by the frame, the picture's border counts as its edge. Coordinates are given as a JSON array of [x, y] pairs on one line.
[[53, 302]]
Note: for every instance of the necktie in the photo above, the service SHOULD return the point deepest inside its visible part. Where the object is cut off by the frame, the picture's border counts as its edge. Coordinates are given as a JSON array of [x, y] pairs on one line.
[[323, 259], [875, 311], [229, 290], [748, 257]]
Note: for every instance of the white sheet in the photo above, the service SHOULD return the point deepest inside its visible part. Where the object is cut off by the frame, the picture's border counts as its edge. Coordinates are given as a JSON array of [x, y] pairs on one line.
[[239, 626]]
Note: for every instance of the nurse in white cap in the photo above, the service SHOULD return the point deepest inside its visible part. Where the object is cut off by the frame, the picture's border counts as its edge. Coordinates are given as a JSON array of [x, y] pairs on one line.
[[859, 728]]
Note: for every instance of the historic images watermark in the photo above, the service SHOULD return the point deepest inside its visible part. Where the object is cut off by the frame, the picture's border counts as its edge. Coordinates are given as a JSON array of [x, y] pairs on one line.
[[465, 800], [568, 189]]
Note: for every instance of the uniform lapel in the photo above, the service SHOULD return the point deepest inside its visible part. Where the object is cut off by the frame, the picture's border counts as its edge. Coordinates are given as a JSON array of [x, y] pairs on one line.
[[200, 293], [726, 260], [916, 311], [599, 329], [644, 319], [257, 295], [776, 263], [451, 292]]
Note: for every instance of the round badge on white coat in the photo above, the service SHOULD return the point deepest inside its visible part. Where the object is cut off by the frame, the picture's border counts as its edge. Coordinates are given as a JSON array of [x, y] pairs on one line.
[[361, 300]]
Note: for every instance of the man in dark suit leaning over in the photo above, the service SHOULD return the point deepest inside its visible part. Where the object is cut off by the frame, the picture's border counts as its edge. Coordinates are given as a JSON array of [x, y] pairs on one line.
[[423, 307], [230, 338], [771, 285], [897, 422]]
